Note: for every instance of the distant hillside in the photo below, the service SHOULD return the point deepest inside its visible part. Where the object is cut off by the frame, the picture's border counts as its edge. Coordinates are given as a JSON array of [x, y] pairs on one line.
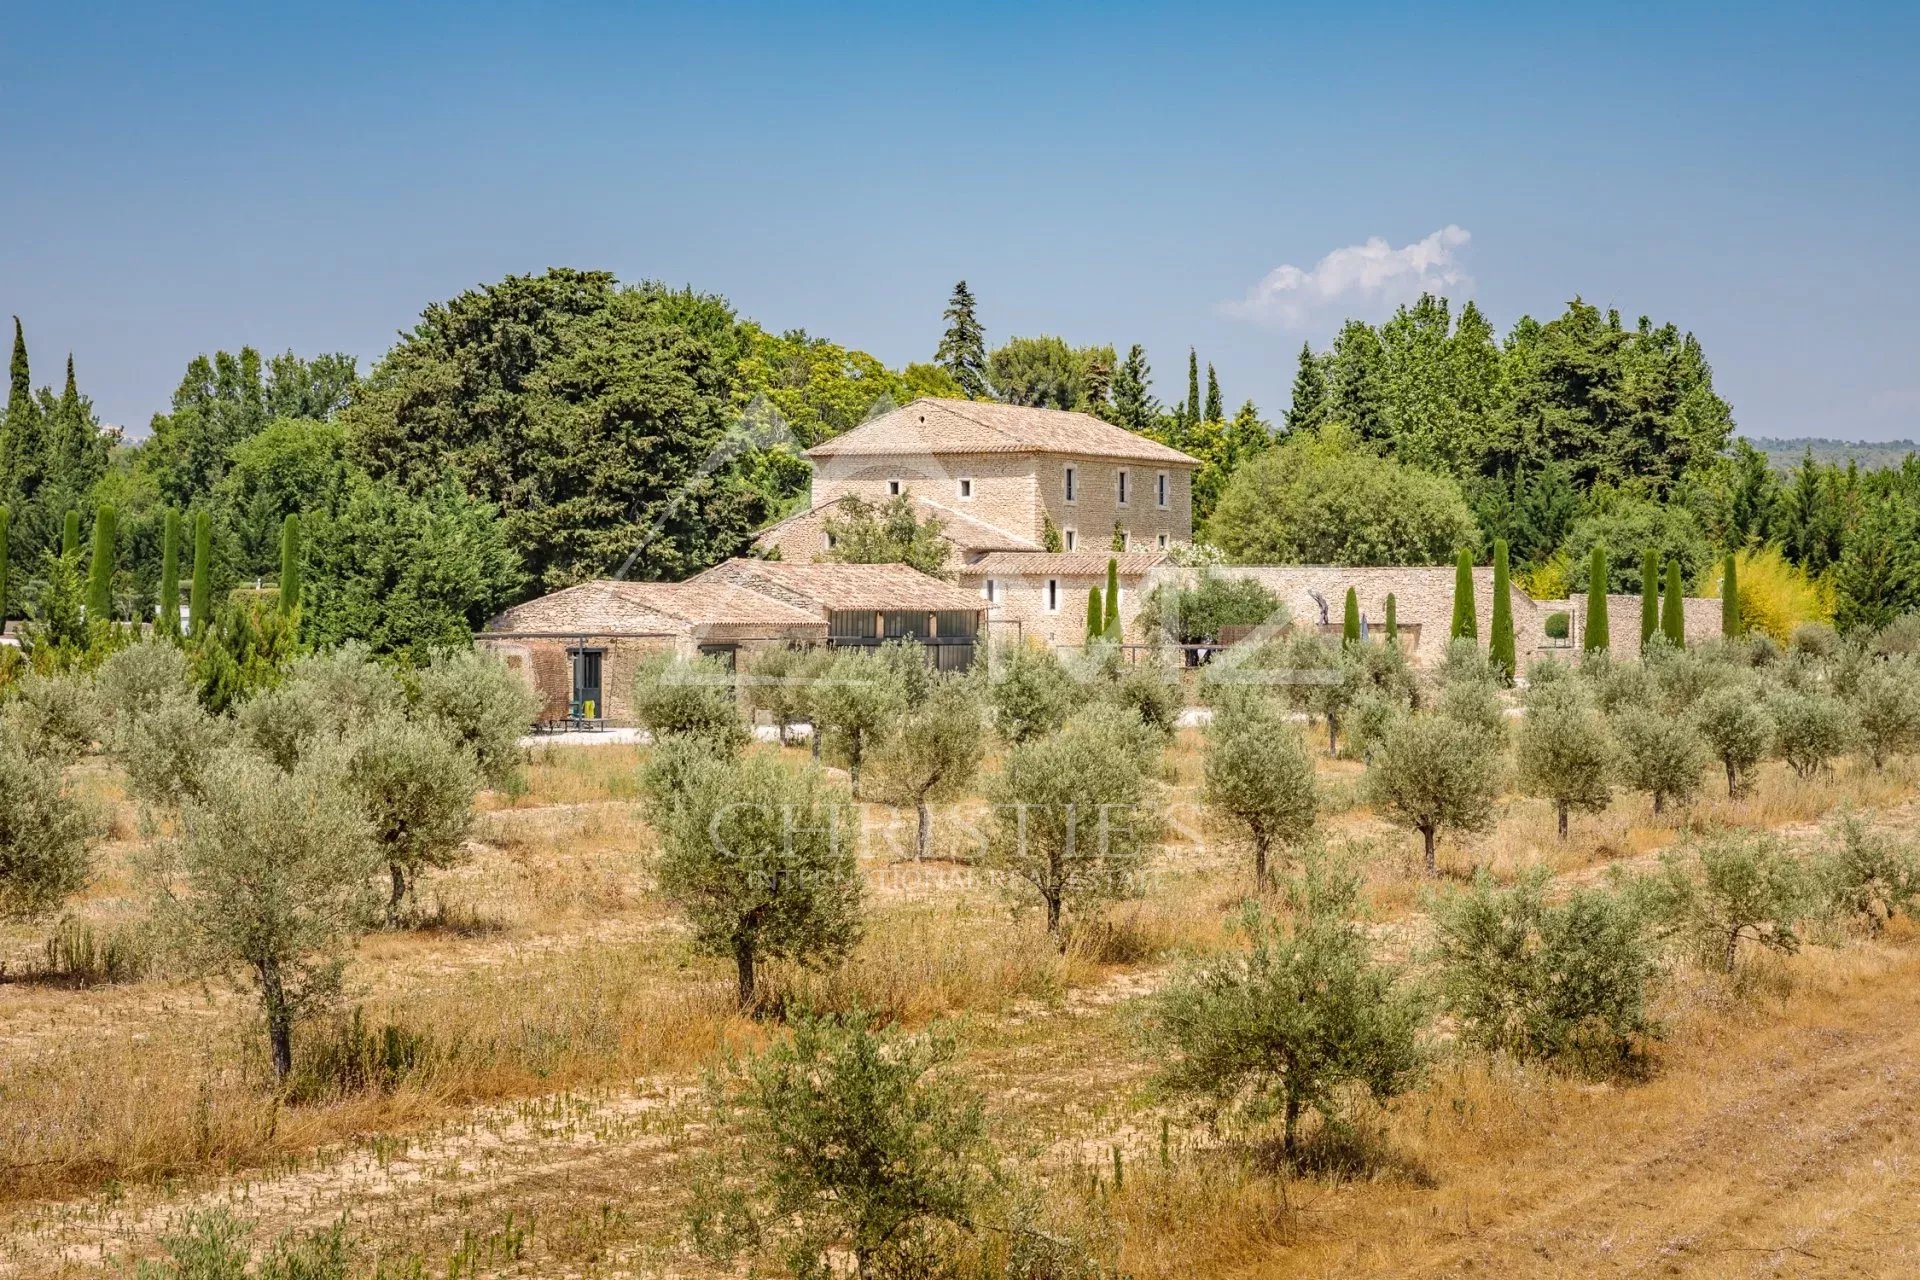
[[1869, 454]]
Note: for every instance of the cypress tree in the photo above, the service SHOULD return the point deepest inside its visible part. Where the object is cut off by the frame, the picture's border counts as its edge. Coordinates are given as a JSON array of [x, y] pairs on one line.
[[1466, 623], [1216, 410], [1595, 640], [167, 621], [1096, 619], [1193, 387], [100, 571], [200, 601], [290, 564], [1500, 641], [1649, 595], [1730, 623], [1350, 624], [6, 519], [1110, 624], [1673, 613], [70, 533], [1392, 623]]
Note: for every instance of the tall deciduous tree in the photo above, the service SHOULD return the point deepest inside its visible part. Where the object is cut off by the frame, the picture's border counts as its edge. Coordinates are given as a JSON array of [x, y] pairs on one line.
[[963, 347]]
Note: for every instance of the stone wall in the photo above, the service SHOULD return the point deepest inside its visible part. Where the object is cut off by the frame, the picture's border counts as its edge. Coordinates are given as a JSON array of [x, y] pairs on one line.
[[1020, 604], [1096, 506], [1004, 489]]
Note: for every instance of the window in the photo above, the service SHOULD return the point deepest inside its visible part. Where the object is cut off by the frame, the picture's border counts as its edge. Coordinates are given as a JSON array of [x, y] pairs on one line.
[[1072, 475], [893, 488], [1160, 488], [1123, 486], [990, 592], [1070, 539], [1163, 542], [1053, 595], [829, 542], [966, 486]]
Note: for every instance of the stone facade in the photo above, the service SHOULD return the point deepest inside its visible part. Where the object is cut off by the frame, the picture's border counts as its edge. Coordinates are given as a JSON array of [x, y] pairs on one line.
[[1042, 596]]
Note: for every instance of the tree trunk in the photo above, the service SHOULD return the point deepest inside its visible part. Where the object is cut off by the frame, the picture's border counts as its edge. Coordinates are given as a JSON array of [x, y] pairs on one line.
[[1427, 834], [399, 875], [813, 741], [853, 763], [1333, 736], [1733, 948], [1659, 802], [743, 959], [1260, 864], [1733, 781], [1289, 1141], [1563, 821], [924, 835], [1053, 914], [279, 1019]]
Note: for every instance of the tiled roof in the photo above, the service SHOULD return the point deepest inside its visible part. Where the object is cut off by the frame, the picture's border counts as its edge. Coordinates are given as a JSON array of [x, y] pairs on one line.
[[967, 533], [608, 607], [843, 586], [1062, 564], [932, 426]]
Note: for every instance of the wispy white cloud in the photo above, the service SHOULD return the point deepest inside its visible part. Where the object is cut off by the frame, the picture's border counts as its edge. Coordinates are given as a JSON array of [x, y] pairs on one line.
[[1370, 276]]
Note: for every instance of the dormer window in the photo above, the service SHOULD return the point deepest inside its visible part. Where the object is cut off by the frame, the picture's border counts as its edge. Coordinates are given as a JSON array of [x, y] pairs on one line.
[[1123, 486], [1072, 491]]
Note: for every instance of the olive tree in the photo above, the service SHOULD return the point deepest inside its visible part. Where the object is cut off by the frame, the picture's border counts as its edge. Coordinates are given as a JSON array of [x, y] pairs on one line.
[[1659, 754], [1566, 757], [1259, 776], [677, 698], [934, 754], [1886, 708], [272, 871], [1810, 729], [845, 1142], [1559, 981], [157, 730], [46, 835], [1031, 692], [415, 786], [775, 682], [481, 705], [324, 697], [760, 857], [1073, 813], [1294, 1024], [51, 717], [856, 702], [1869, 874], [1434, 774], [1739, 886], [1738, 731]]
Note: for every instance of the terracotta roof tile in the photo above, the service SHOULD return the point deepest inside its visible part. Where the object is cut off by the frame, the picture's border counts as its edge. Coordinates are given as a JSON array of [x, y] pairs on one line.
[[843, 586], [1062, 564], [933, 426]]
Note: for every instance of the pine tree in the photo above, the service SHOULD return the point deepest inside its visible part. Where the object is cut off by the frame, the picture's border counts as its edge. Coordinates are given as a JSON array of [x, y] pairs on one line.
[[200, 600], [1096, 616], [6, 520], [1309, 392], [1730, 624], [1392, 622], [1673, 616], [1193, 389], [963, 347], [1500, 642], [1133, 408], [1466, 622], [1110, 624], [1649, 595], [1595, 639], [167, 619], [20, 457], [290, 564], [1350, 623], [100, 571], [70, 533], [1216, 411]]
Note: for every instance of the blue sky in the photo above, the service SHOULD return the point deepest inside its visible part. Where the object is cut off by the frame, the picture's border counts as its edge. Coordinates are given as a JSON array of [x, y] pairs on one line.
[[179, 178]]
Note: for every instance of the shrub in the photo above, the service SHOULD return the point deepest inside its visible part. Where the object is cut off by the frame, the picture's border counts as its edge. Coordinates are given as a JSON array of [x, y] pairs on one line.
[[1031, 693], [1196, 612], [1738, 731], [1557, 625], [1742, 885], [211, 1244], [1885, 703], [46, 835], [846, 1143], [1433, 774], [76, 953], [52, 718], [1294, 1024], [1775, 596], [481, 705], [1258, 776], [1869, 875], [674, 697], [324, 697], [1152, 692], [760, 858], [1815, 639], [1810, 729], [1562, 982], [273, 874], [1073, 816], [1899, 638], [934, 754], [1566, 756], [1660, 754]]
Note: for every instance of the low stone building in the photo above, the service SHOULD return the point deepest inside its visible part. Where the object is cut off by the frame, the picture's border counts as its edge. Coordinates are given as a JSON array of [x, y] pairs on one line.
[[579, 647]]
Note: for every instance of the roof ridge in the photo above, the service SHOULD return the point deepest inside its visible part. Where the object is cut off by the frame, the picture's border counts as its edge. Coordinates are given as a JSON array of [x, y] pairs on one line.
[[988, 426]]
